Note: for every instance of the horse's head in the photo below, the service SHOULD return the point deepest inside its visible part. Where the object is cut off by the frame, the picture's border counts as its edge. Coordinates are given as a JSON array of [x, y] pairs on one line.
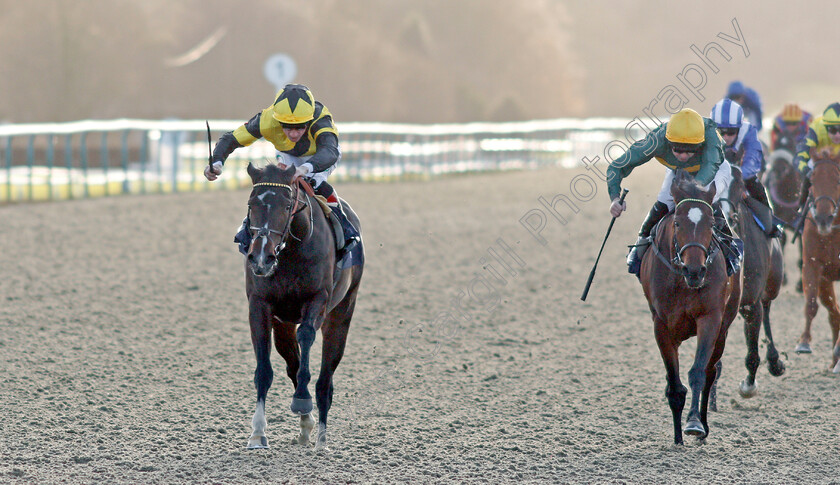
[[781, 164], [693, 222], [271, 208], [825, 190]]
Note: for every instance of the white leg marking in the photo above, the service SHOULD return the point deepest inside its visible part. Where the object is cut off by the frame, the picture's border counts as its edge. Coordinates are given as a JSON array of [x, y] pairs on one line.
[[258, 423]]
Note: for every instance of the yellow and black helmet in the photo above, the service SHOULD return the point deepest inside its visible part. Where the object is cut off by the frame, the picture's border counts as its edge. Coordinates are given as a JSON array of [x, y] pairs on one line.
[[294, 105], [686, 127], [831, 115]]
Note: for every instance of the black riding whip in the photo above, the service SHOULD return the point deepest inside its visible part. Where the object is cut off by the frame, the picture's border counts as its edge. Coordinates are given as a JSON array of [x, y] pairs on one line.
[[209, 147], [592, 273], [800, 220]]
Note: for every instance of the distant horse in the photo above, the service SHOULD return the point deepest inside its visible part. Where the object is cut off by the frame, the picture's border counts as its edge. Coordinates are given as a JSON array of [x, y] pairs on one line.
[[689, 293], [820, 249], [783, 182], [294, 290], [762, 268]]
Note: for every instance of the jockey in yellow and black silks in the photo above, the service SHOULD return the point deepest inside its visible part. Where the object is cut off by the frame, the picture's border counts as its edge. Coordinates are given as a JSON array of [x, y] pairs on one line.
[[687, 141], [302, 131], [823, 134]]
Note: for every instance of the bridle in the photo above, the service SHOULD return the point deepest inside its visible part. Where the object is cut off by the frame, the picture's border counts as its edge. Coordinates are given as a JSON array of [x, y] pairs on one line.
[[293, 211], [834, 202], [709, 252]]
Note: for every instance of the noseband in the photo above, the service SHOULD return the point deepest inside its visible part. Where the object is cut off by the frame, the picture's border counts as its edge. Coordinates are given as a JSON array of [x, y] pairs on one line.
[[834, 202], [293, 210], [710, 252]]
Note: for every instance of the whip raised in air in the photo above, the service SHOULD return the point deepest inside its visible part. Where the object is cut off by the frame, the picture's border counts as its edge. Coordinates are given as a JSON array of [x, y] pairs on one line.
[[592, 273], [209, 146]]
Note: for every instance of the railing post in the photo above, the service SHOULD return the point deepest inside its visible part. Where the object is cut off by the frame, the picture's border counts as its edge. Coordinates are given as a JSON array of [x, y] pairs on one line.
[[83, 156], [30, 163], [50, 164], [104, 156], [126, 187]]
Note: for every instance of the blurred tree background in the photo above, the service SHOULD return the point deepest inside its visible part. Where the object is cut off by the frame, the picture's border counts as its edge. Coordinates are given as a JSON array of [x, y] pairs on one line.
[[418, 61]]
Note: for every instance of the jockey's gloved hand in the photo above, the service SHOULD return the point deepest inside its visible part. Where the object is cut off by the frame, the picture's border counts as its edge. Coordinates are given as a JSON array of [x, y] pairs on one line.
[[617, 207], [302, 170], [213, 172]]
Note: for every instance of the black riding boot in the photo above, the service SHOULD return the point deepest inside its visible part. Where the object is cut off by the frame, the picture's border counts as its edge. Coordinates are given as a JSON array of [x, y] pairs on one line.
[[731, 246], [243, 236], [351, 234], [634, 258], [756, 190], [804, 192]]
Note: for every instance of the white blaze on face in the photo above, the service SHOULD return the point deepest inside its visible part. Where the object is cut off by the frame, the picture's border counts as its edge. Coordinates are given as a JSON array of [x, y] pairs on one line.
[[695, 215]]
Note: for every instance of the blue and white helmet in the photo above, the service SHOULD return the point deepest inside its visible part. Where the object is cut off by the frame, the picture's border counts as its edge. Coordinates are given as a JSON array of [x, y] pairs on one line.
[[727, 114]]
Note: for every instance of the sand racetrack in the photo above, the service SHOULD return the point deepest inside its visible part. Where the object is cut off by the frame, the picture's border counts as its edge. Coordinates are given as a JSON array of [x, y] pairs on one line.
[[126, 356]]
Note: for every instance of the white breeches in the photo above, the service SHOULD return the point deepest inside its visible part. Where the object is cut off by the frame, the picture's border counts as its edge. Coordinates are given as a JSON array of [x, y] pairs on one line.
[[721, 181], [319, 177]]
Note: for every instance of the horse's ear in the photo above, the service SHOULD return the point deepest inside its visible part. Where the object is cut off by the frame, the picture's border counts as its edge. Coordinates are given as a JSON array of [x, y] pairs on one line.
[[253, 172], [288, 171], [712, 191]]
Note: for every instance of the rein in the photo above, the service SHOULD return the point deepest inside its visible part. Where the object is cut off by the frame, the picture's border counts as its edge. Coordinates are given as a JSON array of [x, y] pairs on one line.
[[834, 202], [676, 261]]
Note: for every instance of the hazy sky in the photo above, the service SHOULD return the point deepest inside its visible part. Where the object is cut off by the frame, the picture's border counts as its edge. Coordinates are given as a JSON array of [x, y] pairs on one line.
[[408, 61]]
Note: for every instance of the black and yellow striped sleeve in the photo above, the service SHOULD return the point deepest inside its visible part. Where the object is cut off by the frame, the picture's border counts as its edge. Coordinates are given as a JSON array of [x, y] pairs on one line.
[[803, 150]]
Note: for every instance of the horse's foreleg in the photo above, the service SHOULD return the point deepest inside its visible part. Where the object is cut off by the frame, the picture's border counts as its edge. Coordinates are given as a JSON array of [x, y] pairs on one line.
[[263, 375], [712, 375], [286, 344], [774, 365], [753, 315], [829, 301], [708, 328], [809, 288], [334, 333], [674, 390], [313, 315]]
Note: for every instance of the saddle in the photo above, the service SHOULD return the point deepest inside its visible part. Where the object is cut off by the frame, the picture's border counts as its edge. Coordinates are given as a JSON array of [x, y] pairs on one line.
[[338, 231], [764, 216]]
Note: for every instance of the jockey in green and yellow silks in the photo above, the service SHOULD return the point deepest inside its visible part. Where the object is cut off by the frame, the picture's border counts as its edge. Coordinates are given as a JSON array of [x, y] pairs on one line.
[[687, 141]]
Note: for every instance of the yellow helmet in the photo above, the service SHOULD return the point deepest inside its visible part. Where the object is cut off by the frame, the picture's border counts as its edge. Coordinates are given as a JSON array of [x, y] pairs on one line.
[[791, 112], [294, 105], [831, 115], [686, 126]]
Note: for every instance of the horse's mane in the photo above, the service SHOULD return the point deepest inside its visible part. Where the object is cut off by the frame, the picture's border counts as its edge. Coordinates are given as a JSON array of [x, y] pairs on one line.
[[824, 154], [271, 172], [685, 186]]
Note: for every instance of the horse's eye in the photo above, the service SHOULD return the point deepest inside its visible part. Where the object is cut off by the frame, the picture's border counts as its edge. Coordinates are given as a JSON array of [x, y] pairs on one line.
[[288, 207], [676, 224]]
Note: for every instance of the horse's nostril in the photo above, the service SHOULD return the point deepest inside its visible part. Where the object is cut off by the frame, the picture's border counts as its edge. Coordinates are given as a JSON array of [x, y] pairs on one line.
[[250, 258]]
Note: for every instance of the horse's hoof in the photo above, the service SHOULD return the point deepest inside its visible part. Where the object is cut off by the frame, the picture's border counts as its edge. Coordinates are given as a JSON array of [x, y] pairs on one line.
[[836, 368], [747, 390], [776, 367], [803, 348], [301, 406], [257, 443], [695, 428]]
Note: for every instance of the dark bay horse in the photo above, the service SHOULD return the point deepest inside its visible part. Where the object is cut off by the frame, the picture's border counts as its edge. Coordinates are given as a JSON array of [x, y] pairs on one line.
[[684, 279], [783, 182], [763, 269], [821, 248], [294, 290]]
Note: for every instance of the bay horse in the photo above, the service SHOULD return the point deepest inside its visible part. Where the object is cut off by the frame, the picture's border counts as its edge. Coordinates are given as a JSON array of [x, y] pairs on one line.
[[820, 249], [684, 279], [763, 269], [294, 289], [783, 183]]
